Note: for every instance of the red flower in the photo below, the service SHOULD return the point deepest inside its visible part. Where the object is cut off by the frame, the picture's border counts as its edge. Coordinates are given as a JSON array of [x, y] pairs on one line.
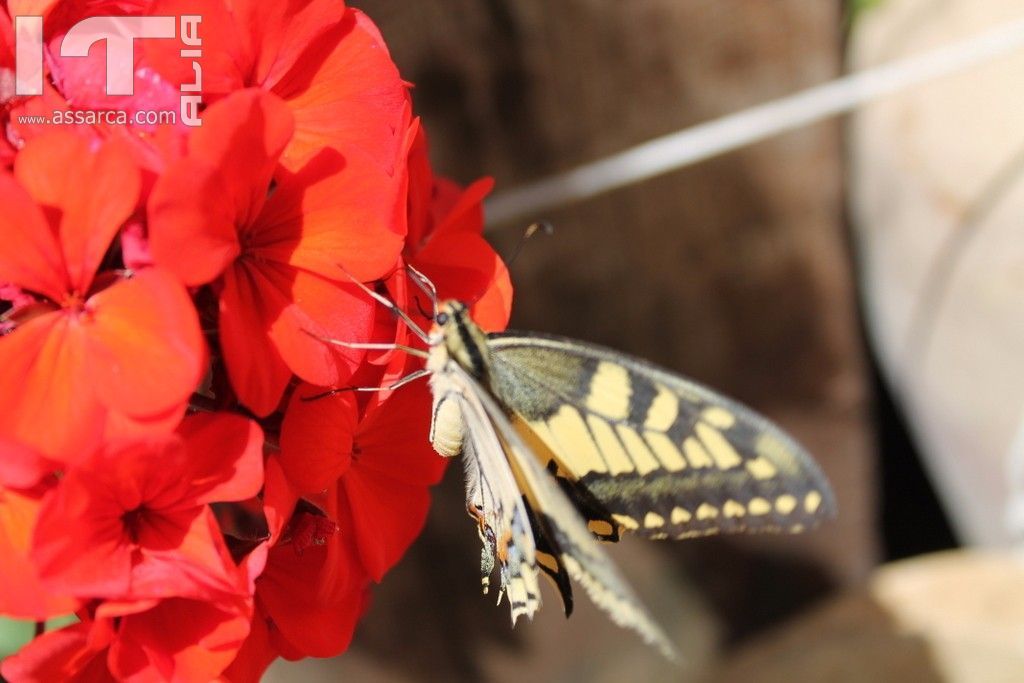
[[256, 654], [312, 598], [376, 474], [142, 524], [445, 244], [327, 62], [95, 355], [281, 250], [23, 484], [157, 640]]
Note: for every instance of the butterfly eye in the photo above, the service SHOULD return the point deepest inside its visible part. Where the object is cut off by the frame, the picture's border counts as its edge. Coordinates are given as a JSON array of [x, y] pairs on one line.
[[441, 319]]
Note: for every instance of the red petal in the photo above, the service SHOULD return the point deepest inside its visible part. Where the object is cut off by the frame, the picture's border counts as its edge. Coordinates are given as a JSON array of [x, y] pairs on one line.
[[456, 209], [230, 164], [205, 638], [192, 232], [225, 68], [255, 655], [49, 402], [52, 167], [279, 499], [31, 257], [123, 426], [79, 545], [23, 595], [182, 557], [146, 351], [83, 79], [62, 655], [243, 135], [387, 516], [316, 438], [224, 456], [346, 93], [255, 367], [285, 35], [22, 467], [169, 546], [464, 266], [314, 609], [421, 189], [323, 310], [337, 218], [36, 8], [387, 483], [393, 440]]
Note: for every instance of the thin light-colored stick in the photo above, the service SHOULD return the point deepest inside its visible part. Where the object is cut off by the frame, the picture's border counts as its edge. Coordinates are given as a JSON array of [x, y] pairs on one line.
[[705, 140]]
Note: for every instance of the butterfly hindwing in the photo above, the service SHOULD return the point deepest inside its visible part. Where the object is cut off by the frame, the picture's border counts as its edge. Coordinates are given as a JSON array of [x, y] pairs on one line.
[[564, 531], [657, 454], [503, 521]]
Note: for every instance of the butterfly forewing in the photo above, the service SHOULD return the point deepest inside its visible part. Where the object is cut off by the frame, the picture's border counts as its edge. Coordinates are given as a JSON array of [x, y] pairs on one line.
[[648, 450]]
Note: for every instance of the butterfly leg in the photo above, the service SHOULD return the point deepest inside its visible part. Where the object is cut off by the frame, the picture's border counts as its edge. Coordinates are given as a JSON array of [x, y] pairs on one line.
[[371, 346], [393, 307], [402, 381]]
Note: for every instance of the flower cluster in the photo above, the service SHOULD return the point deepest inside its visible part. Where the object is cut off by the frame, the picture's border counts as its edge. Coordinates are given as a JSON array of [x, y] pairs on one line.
[[174, 469]]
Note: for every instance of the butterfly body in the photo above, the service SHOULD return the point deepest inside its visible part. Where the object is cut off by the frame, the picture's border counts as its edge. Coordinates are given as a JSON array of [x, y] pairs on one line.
[[566, 443]]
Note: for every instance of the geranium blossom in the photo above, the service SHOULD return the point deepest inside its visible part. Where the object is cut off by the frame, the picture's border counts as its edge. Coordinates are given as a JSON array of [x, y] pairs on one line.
[[143, 527], [282, 260], [170, 299], [372, 473], [24, 482], [79, 376], [131, 641]]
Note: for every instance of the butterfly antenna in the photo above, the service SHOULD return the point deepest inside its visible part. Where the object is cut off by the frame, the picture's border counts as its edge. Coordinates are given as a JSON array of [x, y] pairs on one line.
[[424, 283], [390, 305], [531, 230]]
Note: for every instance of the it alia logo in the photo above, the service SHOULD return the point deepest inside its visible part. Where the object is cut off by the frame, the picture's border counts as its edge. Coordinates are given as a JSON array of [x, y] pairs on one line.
[[119, 34]]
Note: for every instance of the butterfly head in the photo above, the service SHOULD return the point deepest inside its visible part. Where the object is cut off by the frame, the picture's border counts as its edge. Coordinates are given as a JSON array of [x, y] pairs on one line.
[[464, 341]]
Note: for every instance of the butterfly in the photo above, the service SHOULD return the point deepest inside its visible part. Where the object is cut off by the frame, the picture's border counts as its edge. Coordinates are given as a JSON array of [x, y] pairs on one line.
[[566, 444]]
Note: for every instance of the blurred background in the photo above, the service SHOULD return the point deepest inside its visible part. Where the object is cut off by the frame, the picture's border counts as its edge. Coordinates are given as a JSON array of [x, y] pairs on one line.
[[858, 280]]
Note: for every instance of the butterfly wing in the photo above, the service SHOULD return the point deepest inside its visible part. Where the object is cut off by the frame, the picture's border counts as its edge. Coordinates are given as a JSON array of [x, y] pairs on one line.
[[564, 531], [648, 451], [494, 501]]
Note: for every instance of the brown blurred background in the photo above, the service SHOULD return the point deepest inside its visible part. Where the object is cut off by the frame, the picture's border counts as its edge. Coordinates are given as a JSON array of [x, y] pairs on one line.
[[737, 272]]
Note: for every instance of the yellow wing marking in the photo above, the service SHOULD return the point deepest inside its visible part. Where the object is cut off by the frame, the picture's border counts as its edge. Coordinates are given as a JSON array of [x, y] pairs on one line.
[[653, 520], [663, 411], [670, 457], [613, 452], [610, 391], [626, 521], [573, 442], [724, 455], [695, 453], [759, 506], [760, 468], [733, 509], [638, 451], [785, 504], [707, 511], [680, 515], [719, 417], [812, 502]]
